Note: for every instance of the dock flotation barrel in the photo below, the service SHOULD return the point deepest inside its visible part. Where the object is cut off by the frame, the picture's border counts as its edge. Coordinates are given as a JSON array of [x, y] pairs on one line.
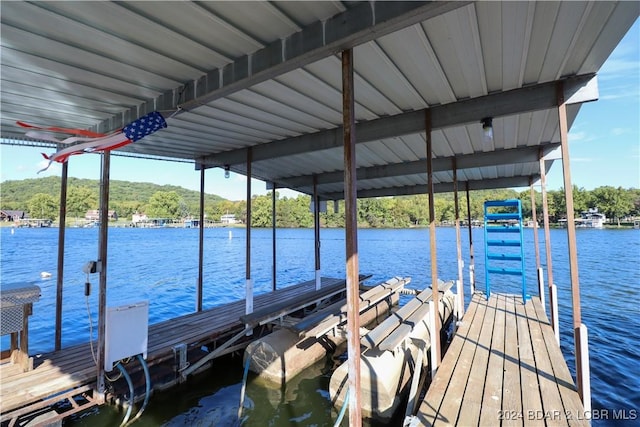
[[286, 352], [392, 349]]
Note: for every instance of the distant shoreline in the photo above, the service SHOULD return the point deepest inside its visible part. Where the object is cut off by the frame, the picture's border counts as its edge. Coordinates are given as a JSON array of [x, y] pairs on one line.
[[123, 224]]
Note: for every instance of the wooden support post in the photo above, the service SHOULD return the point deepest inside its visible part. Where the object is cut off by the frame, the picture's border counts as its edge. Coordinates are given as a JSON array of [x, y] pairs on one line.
[[432, 234], [248, 283], [200, 245], [61, 236], [26, 362], [460, 282], [351, 240], [102, 269], [14, 343], [273, 237], [571, 236], [316, 230], [472, 277], [547, 240]]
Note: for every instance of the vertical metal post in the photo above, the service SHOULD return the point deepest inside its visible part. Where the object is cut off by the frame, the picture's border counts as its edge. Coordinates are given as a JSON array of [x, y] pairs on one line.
[[102, 266], [200, 244], [584, 362], [316, 231], [547, 239], [273, 237], [432, 234], [535, 221], [472, 277], [460, 284], [249, 283], [351, 239], [536, 244], [61, 236], [553, 298], [433, 350], [571, 235]]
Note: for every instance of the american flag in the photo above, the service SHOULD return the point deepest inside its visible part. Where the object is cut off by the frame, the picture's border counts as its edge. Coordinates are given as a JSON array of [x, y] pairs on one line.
[[87, 141]]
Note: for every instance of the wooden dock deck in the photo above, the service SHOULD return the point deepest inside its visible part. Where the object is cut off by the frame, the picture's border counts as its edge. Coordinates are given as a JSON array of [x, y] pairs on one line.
[[72, 370], [503, 367]]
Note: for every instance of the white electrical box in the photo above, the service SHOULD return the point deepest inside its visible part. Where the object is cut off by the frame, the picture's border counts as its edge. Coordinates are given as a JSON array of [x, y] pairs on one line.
[[126, 332]]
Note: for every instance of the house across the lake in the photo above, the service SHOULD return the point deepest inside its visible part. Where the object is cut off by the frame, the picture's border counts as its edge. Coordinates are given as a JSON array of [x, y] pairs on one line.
[[94, 215], [590, 218], [12, 215], [228, 219]]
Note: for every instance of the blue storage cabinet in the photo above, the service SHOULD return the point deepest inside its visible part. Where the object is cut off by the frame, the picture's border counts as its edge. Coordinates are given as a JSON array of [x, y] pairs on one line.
[[503, 242]]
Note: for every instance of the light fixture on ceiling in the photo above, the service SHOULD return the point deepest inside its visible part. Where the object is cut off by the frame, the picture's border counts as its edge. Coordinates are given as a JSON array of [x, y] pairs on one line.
[[487, 130], [227, 171]]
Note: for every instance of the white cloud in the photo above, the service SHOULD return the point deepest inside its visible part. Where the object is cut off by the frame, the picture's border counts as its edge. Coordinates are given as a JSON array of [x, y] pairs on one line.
[[580, 136], [619, 131], [618, 68], [577, 136]]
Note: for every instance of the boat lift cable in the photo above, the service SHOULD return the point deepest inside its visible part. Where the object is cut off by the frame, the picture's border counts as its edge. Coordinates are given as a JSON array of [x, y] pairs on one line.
[[244, 385], [345, 404], [126, 376]]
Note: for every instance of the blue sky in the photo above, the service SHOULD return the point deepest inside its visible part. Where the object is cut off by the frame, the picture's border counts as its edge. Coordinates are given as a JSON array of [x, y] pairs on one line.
[[604, 144]]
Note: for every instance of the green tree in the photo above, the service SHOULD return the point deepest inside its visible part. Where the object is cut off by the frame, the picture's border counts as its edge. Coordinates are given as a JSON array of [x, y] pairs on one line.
[[582, 200], [334, 217], [261, 211], [556, 205], [164, 204], [445, 210], [613, 202], [635, 195], [43, 206], [80, 199]]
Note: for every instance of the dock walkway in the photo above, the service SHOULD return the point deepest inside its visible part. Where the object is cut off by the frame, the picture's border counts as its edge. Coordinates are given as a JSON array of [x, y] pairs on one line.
[[72, 370], [503, 367]]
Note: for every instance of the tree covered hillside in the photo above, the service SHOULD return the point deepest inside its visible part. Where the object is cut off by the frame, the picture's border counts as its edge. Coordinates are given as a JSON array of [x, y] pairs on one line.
[[40, 197]]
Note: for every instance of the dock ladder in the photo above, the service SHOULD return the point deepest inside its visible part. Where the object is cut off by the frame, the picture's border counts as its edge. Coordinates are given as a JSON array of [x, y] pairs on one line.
[[503, 236]]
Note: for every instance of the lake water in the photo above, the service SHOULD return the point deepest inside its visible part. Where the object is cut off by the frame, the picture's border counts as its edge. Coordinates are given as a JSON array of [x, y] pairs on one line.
[[161, 265]]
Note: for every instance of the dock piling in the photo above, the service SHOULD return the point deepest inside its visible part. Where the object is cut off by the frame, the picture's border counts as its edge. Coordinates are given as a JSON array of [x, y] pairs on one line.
[[351, 237], [61, 236]]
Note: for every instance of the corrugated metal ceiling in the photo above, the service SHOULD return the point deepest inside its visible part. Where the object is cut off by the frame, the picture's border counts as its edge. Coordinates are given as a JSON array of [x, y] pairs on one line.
[[233, 75]]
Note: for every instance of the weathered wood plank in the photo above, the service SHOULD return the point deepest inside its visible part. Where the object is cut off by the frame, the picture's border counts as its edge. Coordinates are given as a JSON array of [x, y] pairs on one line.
[[552, 408], [73, 366], [491, 408], [527, 381], [511, 394], [430, 406], [452, 398], [283, 307], [472, 400], [531, 401], [573, 407]]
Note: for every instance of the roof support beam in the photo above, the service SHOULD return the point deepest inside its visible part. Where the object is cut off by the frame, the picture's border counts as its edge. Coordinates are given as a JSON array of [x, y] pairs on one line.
[[466, 161], [523, 100], [443, 187], [357, 25]]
